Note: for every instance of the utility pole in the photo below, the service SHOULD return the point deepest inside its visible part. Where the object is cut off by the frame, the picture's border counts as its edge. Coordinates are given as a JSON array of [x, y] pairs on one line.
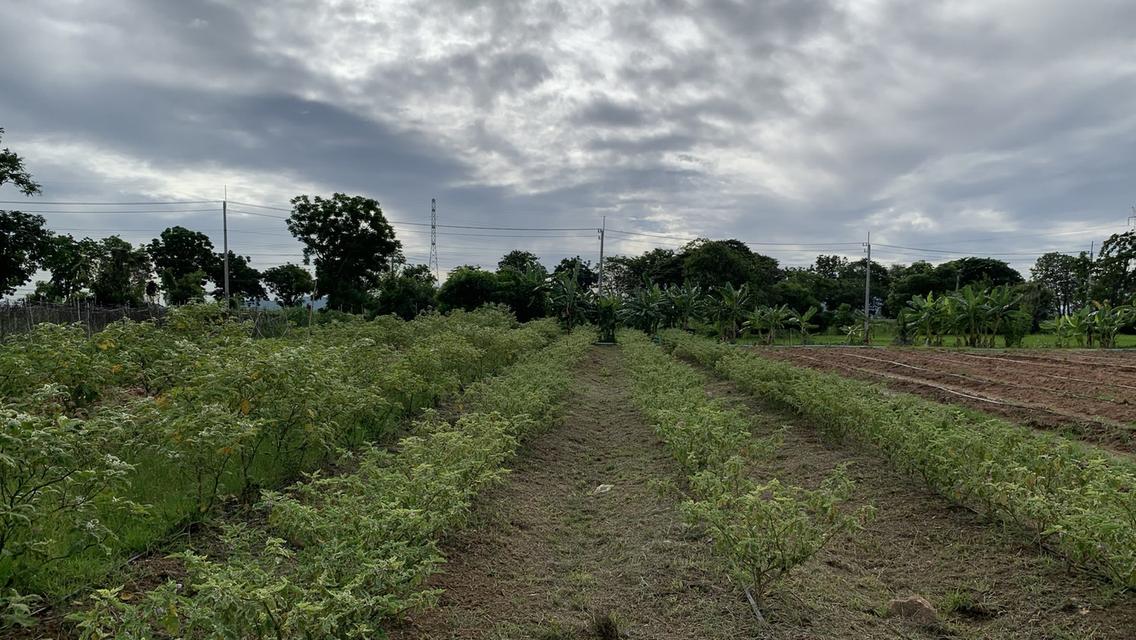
[[225, 240], [868, 292], [434, 237], [1089, 285], [602, 230], [1132, 218]]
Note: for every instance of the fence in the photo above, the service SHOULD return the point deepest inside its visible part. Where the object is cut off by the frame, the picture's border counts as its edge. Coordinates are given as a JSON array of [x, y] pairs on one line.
[[16, 317]]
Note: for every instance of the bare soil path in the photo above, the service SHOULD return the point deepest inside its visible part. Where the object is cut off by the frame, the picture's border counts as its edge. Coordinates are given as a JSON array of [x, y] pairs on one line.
[[552, 558], [985, 580]]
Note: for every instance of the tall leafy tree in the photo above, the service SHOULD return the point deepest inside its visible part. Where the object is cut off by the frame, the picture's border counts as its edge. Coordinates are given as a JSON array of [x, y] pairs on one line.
[[518, 260], [522, 285], [586, 277], [24, 241], [713, 263], [71, 263], [183, 259], [350, 243], [405, 292], [1066, 276], [467, 288], [23, 237], [289, 283], [12, 171], [244, 280], [122, 272], [624, 274], [1114, 272]]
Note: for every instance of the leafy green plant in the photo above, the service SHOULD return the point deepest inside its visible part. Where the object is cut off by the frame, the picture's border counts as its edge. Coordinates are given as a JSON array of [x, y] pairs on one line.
[[770, 529], [55, 478], [1079, 502], [763, 530]]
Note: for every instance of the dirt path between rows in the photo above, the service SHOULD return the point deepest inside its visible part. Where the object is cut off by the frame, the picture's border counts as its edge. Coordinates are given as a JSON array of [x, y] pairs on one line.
[[550, 558], [985, 580]]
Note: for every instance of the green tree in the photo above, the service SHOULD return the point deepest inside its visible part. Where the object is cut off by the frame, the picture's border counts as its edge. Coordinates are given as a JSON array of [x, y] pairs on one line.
[[289, 283], [244, 280], [349, 241], [405, 292], [71, 263], [1066, 276], [467, 288], [23, 237], [24, 241], [12, 171], [518, 260], [183, 259], [1114, 272], [121, 273], [624, 274], [586, 277], [522, 284], [714, 263]]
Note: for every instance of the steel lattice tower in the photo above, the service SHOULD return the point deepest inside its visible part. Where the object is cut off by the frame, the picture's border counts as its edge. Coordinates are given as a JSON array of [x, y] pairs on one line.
[[434, 237]]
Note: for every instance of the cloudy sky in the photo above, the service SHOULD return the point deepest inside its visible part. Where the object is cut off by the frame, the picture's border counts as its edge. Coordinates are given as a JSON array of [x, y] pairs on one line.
[[944, 128]]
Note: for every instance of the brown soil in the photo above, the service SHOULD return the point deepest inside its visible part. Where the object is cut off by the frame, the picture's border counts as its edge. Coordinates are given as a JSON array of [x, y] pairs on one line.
[[550, 559], [1095, 402], [985, 580]]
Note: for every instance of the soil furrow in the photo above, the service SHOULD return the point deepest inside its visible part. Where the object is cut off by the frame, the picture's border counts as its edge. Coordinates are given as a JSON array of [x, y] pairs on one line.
[[585, 528]]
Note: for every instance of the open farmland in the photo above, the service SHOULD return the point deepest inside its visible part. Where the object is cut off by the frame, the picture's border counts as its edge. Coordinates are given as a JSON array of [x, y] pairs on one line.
[[1089, 394], [534, 485]]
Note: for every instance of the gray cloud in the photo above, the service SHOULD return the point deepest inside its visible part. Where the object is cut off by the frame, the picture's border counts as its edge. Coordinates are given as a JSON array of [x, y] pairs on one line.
[[973, 127]]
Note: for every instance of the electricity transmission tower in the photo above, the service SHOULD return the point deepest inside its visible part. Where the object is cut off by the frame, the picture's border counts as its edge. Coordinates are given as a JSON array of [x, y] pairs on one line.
[[434, 237]]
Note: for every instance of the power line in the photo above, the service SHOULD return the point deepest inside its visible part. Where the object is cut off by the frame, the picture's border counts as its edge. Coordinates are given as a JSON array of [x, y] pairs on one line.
[[771, 244], [926, 250], [134, 211], [108, 204]]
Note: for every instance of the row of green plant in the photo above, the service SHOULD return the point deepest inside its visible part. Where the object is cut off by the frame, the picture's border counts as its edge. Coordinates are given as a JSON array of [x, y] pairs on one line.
[[1099, 322], [763, 530], [1078, 501], [341, 556], [89, 477], [977, 316]]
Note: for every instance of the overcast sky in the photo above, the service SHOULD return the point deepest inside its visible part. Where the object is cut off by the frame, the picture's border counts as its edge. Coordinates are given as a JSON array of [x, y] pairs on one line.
[[974, 127]]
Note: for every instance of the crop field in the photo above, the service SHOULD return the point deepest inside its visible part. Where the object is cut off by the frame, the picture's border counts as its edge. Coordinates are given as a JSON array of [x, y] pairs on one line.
[[469, 476], [1086, 394]]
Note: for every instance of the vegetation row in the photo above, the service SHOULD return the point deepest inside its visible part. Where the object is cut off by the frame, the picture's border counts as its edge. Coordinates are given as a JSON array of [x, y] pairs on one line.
[[113, 441], [1077, 501], [340, 556]]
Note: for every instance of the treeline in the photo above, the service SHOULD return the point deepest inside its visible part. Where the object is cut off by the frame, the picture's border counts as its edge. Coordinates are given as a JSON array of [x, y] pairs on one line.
[[359, 267]]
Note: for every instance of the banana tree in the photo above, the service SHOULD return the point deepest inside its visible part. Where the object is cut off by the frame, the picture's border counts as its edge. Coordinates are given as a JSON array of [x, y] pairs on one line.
[[803, 322], [1002, 307], [972, 310], [569, 301], [1108, 320], [729, 309], [644, 309], [605, 315], [685, 303]]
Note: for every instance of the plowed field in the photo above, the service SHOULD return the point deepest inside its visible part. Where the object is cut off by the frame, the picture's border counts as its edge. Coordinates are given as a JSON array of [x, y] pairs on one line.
[[1087, 394]]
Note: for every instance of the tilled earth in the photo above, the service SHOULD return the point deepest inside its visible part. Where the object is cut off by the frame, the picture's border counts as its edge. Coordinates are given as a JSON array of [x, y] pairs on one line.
[[1083, 394]]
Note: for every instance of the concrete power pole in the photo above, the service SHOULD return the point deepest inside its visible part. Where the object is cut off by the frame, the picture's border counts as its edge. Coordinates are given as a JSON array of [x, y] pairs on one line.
[[868, 292], [602, 230], [225, 241]]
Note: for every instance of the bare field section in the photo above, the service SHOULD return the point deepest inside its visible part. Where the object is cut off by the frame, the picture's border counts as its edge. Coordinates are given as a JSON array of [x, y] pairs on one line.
[[1087, 395]]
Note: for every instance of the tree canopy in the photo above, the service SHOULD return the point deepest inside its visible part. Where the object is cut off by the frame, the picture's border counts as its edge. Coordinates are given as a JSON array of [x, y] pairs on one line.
[[289, 283], [350, 243]]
